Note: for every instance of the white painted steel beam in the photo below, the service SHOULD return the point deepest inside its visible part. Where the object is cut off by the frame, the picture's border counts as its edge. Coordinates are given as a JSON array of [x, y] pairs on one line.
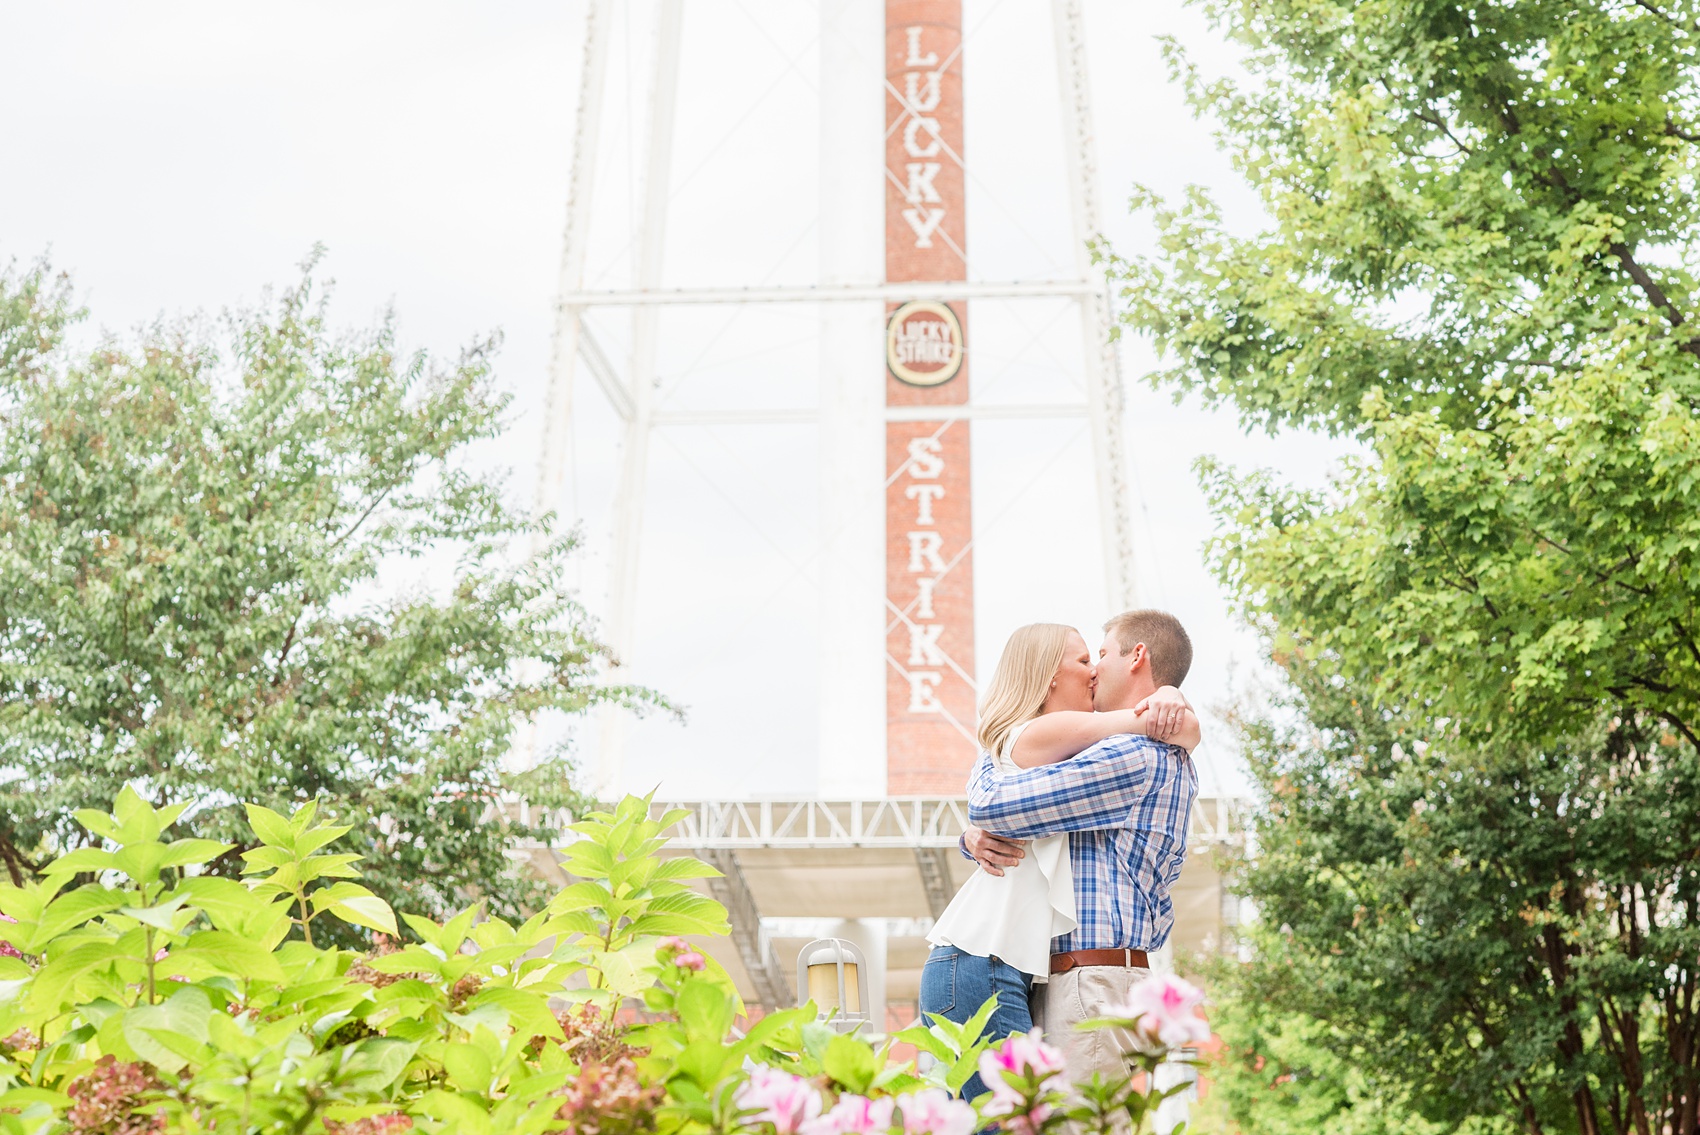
[[587, 128], [566, 342], [984, 412], [797, 415], [597, 362], [883, 822], [1103, 366], [732, 891], [850, 447], [896, 821], [891, 821], [934, 863], [835, 293], [634, 457], [801, 415]]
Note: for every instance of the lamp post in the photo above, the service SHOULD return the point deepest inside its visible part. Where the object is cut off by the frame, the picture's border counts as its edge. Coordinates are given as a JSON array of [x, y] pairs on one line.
[[830, 973]]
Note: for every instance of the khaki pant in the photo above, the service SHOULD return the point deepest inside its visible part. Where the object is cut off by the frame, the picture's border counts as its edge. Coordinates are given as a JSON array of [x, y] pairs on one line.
[[1080, 995]]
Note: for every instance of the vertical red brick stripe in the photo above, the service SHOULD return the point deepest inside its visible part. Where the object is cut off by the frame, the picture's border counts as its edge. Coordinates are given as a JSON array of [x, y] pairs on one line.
[[929, 566]]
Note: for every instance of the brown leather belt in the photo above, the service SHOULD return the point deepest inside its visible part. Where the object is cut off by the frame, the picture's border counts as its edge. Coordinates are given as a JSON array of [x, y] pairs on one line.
[[1074, 959]]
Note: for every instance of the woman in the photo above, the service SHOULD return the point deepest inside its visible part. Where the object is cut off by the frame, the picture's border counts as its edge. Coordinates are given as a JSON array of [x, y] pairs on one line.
[[995, 937]]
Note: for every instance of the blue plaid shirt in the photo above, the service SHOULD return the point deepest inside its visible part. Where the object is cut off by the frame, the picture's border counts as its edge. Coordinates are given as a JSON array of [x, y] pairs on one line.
[[1124, 804]]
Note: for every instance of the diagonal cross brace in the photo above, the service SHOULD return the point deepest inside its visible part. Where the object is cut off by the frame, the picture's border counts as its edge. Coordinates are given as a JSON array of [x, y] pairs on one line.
[[732, 890], [613, 386], [934, 863]]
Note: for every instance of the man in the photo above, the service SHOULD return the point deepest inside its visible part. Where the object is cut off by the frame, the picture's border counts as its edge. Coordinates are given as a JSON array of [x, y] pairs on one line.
[[1125, 803]]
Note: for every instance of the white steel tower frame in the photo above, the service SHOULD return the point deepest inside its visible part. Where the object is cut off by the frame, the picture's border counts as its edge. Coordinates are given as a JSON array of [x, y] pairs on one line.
[[851, 295]]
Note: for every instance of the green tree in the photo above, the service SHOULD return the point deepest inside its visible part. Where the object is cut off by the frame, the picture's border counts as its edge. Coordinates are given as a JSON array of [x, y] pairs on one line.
[[1283, 1073], [191, 534], [1484, 784]]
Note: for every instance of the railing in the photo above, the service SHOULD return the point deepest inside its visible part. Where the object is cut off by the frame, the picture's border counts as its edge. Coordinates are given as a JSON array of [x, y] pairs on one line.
[[893, 821], [889, 822]]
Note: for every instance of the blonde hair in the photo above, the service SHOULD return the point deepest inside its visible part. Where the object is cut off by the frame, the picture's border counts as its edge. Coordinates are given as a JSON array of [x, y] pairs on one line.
[[1022, 680]]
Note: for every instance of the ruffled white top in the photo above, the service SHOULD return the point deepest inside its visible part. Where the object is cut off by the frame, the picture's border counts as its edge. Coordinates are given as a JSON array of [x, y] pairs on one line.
[[1014, 916]]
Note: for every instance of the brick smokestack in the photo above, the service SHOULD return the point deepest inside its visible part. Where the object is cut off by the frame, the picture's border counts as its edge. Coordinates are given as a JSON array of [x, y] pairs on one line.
[[930, 694]]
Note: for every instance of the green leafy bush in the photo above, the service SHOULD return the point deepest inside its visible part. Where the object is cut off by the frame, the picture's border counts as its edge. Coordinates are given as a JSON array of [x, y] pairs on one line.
[[1282, 1073], [141, 994]]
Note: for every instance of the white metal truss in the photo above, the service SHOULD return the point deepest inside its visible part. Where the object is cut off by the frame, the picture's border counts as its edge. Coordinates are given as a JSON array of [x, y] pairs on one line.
[[570, 337], [1103, 365], [895, 292], [799, 414], [732, 891], [601, 369], [633, 396], [640, 386], [587, 128], [892, 821], [850, 433], [934, 864]]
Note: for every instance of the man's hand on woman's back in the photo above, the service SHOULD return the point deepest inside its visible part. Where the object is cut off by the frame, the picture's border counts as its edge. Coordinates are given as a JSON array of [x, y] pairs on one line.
[[993, 852]]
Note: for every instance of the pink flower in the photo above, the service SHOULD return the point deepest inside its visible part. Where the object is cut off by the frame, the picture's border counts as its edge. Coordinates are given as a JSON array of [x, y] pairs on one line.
[[1024, 1057], [784, 1100], [676, 944], [1165, 1009], [110, 1097], [853, 1115], [934, 1111], [690, 960]]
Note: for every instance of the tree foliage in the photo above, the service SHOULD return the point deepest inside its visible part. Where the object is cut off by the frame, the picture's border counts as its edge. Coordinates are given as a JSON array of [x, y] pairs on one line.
[[1284, 1073], [1484, 782], [192, 529]]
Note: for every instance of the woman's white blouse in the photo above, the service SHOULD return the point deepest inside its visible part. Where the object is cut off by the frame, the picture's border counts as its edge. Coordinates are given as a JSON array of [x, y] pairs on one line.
[[1015, 916]]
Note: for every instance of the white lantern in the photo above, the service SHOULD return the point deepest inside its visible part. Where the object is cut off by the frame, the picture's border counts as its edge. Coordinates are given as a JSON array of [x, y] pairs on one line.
[[829, 973]]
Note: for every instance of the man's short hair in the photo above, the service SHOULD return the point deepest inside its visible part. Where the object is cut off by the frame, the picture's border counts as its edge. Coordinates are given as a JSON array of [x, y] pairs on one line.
[[1166, 642]]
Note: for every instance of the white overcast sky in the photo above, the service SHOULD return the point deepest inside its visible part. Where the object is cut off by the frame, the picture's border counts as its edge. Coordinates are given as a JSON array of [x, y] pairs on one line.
[[179, 157]]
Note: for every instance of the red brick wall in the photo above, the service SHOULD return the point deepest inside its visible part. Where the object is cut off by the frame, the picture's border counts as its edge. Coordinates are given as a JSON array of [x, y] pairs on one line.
[[929, 561], [907, 254]]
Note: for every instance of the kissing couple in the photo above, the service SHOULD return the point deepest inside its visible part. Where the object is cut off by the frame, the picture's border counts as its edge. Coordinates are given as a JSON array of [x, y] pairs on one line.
[[1079, 806]]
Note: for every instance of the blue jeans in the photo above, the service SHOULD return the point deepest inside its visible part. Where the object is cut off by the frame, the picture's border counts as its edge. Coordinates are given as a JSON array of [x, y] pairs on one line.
[[954, 985]]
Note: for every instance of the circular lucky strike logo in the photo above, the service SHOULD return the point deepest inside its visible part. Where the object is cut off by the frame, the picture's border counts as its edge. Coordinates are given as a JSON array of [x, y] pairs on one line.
[[923, 343]]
